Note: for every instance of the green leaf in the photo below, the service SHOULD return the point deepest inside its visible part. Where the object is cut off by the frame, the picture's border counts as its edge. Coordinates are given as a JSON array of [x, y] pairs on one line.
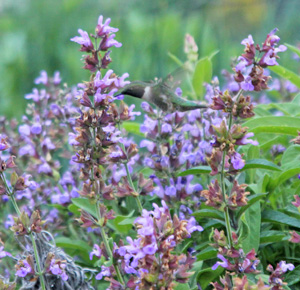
[[278, 125], [287, 74], [74, 209], [181, 286], [251, 200], [133, 128], [195, 170], [262, 164], [296, 99], [108, 263], [123, 224], [253, 220], [293, 48], [209, 213], [293, 277], [73, 244], [213, 54], [207, 253], [175, 59], [279, 218], [86, 205], [291, 157], [202, 74], [243, 229], [268, 237], [208, 275], [289, 109], [289, 173]]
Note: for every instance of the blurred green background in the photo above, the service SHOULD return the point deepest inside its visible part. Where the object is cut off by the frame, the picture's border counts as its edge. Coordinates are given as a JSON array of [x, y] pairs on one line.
[[35, 35]]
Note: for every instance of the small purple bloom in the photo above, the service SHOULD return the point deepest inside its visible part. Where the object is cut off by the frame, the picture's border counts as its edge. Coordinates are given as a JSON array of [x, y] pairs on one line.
[[192, 226], [24, 269], [96, 252], [4, 253], [83, 40], [237, 161], [104, 272], [42, 79], [56, 78], [223, 264], [104, 28], [284, 266], [247, 85]]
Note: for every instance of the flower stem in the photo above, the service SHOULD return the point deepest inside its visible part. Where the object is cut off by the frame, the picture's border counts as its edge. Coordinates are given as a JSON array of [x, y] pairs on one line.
[[108, 249], [139, 204], [226, 211], [37, 259], [36, 254]]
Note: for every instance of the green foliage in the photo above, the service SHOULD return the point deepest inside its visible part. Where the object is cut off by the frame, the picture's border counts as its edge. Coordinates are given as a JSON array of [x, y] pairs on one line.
[[287, 74]]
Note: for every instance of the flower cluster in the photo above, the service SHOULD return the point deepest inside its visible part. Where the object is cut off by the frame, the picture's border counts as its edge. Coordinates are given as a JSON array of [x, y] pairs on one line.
[[276, 277], [150, 257], [249, 72]]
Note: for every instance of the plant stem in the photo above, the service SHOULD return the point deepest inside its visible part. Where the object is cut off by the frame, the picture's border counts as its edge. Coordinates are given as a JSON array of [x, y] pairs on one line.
[[137, 199], [108, 249], [226, 209], [37, 259], [226, 212], [36, 254]]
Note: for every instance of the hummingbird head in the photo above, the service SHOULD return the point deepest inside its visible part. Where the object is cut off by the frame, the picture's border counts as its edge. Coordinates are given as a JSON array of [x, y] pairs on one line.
[[134, 90]]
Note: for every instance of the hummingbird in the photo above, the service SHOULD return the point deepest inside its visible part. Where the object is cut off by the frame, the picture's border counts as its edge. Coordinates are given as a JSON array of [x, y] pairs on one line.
[[161, 94]]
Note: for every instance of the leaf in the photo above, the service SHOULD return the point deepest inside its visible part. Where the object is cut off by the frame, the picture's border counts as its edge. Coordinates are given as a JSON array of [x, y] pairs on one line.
[[243, 229], [293, 48], [207, 253], [278, 125], [202, 74], [175, 59], [288, 109], [251, 200], [208, 275], [279, 218], [296, 99], [74, 209], [133, 128], [123, 224], [268, 237], [212, 55], [73, 244], [293, 277], [262, 164], [181, 286], [86, 205], [253, 220], [195, 170], [289, 173], [209, 213], [291, 157], [287, 74]]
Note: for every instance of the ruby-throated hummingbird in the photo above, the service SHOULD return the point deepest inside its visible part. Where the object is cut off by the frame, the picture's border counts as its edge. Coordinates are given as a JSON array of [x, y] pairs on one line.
[[161, 95]]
